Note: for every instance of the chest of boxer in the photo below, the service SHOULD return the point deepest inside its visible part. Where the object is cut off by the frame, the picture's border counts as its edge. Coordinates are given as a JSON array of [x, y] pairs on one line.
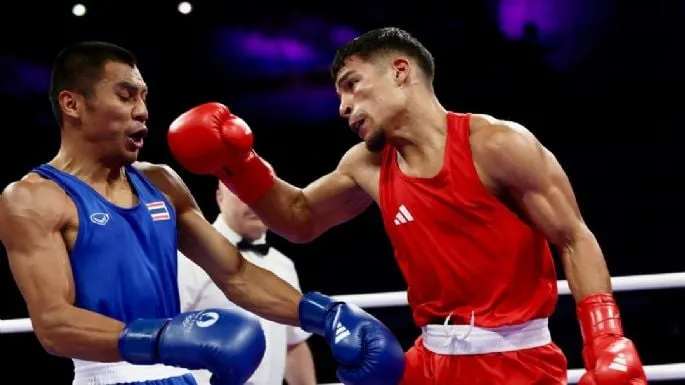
[[463, 252], [123, 259]]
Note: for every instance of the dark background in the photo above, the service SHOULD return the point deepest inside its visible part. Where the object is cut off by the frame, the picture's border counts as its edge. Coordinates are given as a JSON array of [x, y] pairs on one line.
[[599, 84]]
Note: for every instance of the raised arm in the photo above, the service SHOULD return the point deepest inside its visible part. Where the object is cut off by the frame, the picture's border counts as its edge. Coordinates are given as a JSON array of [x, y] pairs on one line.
[[245, 284], [517, 165], [208, 139], [33, 215]]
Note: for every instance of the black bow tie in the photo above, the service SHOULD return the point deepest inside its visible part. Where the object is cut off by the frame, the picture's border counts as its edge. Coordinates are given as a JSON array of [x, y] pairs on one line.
[[257, 248]]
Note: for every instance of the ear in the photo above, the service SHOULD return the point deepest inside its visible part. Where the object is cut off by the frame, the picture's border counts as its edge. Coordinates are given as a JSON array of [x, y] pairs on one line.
[[400, 68], [71, 103]]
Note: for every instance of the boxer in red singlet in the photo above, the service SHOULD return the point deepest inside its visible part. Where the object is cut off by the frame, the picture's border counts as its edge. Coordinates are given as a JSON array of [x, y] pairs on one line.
[[470, 204]]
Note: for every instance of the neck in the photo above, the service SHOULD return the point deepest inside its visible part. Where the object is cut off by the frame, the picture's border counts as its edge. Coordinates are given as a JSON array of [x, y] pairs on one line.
[[81, 158], [421, 129]]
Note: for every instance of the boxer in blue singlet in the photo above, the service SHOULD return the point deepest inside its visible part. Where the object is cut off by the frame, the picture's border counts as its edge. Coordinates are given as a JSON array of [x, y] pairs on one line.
[[92, 237]]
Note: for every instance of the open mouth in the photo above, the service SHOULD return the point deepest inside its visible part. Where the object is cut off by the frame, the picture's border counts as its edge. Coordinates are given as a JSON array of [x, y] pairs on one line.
[[356, 126], [138, 137]]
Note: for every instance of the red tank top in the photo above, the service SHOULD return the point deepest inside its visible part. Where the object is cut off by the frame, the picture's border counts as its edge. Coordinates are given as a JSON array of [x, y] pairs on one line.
[[459, 248]]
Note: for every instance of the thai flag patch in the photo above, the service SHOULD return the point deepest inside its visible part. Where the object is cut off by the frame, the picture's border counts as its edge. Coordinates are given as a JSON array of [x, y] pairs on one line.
[[158, 211]]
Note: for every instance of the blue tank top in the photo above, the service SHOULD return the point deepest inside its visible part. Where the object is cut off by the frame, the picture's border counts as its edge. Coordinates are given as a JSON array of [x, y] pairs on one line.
[[124, 260]]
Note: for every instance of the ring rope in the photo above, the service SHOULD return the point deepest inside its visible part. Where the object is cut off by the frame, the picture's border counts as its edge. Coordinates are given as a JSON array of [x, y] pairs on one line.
[[625, 283], [663, 372], [399, 298]]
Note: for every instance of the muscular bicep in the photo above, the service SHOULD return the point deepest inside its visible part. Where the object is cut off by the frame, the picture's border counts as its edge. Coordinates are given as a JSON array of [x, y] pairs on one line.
[[37, 255], [300, 215], [550, 202], [198, 240], [335, 198], [245, 284], [533, 177]]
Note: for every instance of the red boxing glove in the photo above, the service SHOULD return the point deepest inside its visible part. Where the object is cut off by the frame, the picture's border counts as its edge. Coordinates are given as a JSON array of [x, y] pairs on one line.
[[209, 139], [610, 358]]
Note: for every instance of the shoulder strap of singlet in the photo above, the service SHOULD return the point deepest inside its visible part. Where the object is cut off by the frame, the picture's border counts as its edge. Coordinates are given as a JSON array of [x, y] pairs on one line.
[[459, 125], [387, 158], [140, 180], [47, 171], [145, 187], [66, 181]]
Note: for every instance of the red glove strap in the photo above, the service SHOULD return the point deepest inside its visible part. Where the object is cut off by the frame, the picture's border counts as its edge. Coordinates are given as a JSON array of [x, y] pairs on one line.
[[253, 181], [599, 316]]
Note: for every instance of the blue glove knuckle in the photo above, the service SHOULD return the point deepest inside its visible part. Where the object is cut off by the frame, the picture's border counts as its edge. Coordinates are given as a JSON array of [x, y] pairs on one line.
[[366, 350], [228, 343]]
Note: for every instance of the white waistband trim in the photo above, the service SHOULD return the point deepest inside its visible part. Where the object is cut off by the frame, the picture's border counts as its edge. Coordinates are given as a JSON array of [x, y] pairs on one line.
[[468, 339], [107, 373]]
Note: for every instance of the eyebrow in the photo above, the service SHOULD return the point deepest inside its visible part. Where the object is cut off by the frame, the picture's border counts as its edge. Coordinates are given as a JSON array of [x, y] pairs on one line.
[[344, 77], [131, 86]]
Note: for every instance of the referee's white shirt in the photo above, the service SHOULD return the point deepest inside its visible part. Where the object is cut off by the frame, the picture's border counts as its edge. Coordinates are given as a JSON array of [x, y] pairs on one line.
[[198, 292]]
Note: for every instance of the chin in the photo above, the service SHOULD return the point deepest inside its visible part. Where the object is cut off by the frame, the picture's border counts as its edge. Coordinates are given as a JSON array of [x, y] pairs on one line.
[[376, 141], [130, 158]]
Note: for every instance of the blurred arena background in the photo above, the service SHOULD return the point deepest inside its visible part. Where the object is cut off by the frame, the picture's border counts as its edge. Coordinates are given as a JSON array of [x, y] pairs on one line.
[[599, 82]]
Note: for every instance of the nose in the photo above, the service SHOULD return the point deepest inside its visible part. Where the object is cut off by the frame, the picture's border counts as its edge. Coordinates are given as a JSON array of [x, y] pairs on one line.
[[140, 112], [345, 108]]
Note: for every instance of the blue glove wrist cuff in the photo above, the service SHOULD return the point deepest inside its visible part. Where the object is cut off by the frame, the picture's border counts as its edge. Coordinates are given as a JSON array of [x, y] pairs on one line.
[[313, 309], [138, 341]]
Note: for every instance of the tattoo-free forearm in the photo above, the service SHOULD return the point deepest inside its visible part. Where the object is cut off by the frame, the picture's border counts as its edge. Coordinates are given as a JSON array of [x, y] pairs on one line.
[[584, 266], [263, 293], [77, 333]]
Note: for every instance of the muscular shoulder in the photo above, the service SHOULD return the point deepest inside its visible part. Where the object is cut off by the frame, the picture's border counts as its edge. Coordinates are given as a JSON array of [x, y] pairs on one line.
[[494, 132], [34, 199], [168, 182], [359, 159], [161, 175], [504, 149], [498, 139]]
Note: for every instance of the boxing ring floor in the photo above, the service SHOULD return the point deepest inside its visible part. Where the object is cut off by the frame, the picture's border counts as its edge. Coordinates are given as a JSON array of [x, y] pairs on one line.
[[664, 372]]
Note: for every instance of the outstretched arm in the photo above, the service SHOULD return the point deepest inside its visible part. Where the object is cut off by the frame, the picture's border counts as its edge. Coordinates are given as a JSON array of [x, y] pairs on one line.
[[245, 284], [209, 139], [521, 167], [32, 214], [301, 215]]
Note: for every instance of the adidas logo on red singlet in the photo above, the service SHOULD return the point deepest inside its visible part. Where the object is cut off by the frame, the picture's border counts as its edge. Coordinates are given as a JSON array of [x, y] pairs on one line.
[[403, 216]]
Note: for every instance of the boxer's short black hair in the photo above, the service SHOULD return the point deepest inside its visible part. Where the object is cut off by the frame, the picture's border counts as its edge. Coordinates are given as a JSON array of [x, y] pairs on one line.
[[78, 67], [383, 40]]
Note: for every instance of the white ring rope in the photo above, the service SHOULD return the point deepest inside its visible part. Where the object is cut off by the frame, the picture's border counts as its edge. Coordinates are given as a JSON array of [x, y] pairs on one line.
[[664, 372], [626, 283], [399, 298]]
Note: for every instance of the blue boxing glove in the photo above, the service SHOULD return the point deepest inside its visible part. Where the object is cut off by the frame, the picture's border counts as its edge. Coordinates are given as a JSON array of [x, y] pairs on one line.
[[368, 353], [228, 343]]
